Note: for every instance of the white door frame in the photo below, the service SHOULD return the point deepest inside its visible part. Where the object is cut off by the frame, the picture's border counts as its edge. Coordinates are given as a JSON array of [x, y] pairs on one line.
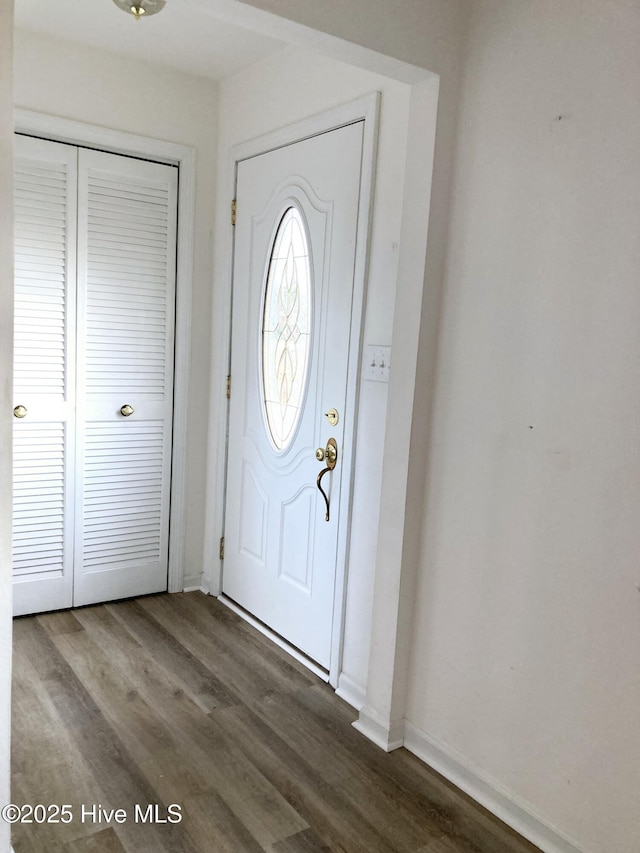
[[364, 109], [182, 156]]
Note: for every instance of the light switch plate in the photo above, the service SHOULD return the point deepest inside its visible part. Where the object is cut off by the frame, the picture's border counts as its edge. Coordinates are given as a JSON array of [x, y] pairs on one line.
[[376, 363]]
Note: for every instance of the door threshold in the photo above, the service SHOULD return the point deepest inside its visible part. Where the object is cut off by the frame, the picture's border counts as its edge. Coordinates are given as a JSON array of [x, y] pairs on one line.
[[315, 668]]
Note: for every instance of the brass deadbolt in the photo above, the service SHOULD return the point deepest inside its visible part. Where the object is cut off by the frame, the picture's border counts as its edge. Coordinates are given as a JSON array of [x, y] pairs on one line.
[[332, 416]]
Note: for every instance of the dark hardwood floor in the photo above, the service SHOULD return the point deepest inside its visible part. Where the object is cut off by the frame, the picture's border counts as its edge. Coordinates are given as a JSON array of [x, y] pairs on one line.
[[175, 700]]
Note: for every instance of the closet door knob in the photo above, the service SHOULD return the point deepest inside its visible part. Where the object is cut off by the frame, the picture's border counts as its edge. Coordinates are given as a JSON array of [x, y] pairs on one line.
[[126, 410], [20, 411]]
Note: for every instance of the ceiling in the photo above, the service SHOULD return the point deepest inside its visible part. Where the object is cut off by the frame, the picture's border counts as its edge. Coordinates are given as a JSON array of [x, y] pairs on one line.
[[182, 36]]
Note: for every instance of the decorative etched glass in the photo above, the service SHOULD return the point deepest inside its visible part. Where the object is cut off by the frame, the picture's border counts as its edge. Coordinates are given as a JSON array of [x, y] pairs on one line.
[[286, 328]]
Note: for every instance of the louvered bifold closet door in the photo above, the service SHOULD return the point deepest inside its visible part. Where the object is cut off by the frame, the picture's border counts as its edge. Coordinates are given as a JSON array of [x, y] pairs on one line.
[[126, 306], [44, 380]]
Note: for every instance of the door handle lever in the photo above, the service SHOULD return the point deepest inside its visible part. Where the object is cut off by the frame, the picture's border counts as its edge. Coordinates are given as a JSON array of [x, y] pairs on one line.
[[329, 454]]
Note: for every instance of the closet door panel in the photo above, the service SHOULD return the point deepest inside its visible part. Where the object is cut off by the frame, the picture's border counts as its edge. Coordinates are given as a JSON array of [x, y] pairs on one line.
[[126, 308], [44, 373]]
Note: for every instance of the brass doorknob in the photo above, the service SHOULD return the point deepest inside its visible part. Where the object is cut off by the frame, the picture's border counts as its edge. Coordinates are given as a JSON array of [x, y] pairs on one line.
[[330, 453], [126, 410], [20, 411]]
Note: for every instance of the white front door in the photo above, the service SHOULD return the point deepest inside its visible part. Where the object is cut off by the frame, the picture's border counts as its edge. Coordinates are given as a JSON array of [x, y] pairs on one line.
[[295, 248], [94, 293]]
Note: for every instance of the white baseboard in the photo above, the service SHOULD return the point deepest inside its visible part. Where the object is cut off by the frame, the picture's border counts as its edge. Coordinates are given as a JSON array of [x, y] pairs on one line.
[[193, 589], [487, 792], [387, 737], [352, 692]]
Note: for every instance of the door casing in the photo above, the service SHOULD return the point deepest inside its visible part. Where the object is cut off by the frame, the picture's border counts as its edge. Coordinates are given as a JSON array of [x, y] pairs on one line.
[[364, 109], [182, 156]]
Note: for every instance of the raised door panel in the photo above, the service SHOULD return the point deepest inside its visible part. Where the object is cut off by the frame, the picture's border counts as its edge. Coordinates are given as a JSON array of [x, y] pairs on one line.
[[44, 373], [126, 308]]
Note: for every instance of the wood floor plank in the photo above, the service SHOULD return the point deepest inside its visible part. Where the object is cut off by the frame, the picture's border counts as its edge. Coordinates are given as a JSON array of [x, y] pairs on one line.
[[111, 766], [226, 661], [211, 818], [170, 738], [404, 826], [46, 762], [200, 683], [344, 828], [62, 622], [445, 845], [120, 698], [302, 842], [105, 841], [257, 666], [399, 819], [284, 714], [174, 699], [26, 842]]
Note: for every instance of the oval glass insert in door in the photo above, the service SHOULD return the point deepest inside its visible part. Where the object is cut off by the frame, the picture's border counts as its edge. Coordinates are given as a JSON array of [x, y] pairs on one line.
[[286, 328]]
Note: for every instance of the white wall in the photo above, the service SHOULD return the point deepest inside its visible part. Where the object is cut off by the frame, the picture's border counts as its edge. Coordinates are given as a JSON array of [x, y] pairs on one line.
[[420, 32], [6, 404], [525, 648], [274, 93], [89, 85]]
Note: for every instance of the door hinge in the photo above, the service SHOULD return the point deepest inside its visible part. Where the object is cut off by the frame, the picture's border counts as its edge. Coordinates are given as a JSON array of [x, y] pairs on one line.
[[229, 387], [222, 547], [234, 209]]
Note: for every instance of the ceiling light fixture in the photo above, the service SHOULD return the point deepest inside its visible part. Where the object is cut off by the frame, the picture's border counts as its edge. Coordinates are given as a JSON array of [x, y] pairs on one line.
[[141, 7]]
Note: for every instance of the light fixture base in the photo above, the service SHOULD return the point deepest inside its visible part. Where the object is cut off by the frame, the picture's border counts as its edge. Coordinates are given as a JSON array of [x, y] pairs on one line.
[[141, 8]]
